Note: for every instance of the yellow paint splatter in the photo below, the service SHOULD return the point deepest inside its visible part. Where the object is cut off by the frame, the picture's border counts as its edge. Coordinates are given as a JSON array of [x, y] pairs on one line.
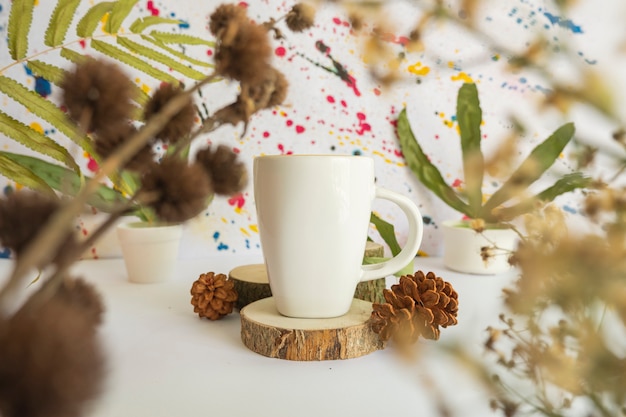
[[419, 69], [244, 231], [254, 228], [462, 77], [422, 253], [224, 220], [450, 64], [238, 210], [36, 127]]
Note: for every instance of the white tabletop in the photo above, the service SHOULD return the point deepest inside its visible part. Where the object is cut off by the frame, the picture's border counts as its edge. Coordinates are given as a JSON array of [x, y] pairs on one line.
[[164, 361]]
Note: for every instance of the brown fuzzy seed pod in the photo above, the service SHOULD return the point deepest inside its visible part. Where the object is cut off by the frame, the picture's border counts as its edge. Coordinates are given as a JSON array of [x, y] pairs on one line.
[[181, 123], [109, 140], [224, 15], [228, 175], [98, 93], [181, 190], [51, 364], [300, 17]]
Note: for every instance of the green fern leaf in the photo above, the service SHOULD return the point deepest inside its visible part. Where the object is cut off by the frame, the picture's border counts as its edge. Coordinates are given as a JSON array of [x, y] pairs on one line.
[[120, 11], [123, 56], [142, 23], [89, 22], [60, 22], [161, 58], [66, 181], [166, 37], [20, 20], [22, 175], [72, 56], [176, 53], [50, 72], [44, 109], [36, 141]]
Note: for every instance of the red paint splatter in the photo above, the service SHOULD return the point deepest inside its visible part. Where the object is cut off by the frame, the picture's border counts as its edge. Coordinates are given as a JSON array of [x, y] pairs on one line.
[[289, 123], [82, 43], [377, 92], [363, 127], [336, 20], [153, 10], [84, 231], [238, 200], [209, 52], [330, 99], [360, 116], [299, 129], [236, 150], [281, 148], [343, 103], [94, 253], [457, 183], [351, 81], [242, 4], [398, 153], [266, 134], [92, 165], [280, 51]]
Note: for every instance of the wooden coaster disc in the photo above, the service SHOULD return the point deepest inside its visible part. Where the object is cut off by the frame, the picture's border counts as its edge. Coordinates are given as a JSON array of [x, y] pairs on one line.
[[251, 281], [265, 331]]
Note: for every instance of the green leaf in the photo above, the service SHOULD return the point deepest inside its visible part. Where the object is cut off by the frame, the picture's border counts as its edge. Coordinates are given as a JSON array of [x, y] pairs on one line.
[[176, 53], [66, 181], [60, 22], [73, 56], [565, 184], [142, 23], [44, 109], [121, 10], [387, 232], [167, 37], [123, 56], [469, 116], [36, 141], [50, 72], [159, 57], [89, 22], [20, 19], [426, 172], [540, 159], [22, 175]]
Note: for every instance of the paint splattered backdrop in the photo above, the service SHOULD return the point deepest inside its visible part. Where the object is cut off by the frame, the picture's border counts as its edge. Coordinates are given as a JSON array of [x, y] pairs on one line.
[[336, 112]]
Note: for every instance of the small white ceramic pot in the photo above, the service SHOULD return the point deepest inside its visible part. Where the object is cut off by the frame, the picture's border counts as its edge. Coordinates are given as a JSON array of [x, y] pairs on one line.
[[150, 251], [462, 248]]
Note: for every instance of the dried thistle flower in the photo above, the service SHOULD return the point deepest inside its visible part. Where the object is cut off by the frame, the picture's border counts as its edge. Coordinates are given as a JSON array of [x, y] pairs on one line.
[[246, 56], [83, 297], [300, 17], [22, 215], [228, 175], [97, 95], [178, 126], [225, 15], [50, 361], [108, 141], [176, 191]]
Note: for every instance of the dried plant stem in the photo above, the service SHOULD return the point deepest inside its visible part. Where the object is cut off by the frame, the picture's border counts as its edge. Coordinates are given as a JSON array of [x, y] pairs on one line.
[[55, 229]]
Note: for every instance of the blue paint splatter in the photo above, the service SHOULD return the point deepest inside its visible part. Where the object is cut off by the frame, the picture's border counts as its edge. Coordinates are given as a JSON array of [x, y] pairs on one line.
[[183, 25], [247, 243], [5, 253], [222, 246], [43, 87], [569, 209], [564, 23], [216, 236]]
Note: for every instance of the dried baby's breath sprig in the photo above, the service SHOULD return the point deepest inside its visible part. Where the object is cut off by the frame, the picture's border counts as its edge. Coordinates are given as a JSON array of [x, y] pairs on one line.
[[97, 94], [176, 190], [108, 140], [178, 126], [22, 215], [50, 361], [300, 17], [228, 175]]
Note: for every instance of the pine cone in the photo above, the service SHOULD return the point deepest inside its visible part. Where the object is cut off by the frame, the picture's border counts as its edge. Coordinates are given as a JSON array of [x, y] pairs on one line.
[[213, 296], [415, 307]]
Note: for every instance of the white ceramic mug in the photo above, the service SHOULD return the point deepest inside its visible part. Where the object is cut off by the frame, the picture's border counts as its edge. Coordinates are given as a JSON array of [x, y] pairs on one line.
[[313, 213]]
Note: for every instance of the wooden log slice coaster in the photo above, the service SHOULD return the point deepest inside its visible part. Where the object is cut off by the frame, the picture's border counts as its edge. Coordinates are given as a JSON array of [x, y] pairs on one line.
[[265, 331], [251, 282]]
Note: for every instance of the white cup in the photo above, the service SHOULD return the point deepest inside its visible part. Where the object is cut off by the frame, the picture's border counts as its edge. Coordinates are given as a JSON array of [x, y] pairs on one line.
[[313, 213]]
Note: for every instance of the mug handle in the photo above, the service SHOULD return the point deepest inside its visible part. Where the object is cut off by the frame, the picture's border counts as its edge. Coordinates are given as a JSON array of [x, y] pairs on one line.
[[406, 255]]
